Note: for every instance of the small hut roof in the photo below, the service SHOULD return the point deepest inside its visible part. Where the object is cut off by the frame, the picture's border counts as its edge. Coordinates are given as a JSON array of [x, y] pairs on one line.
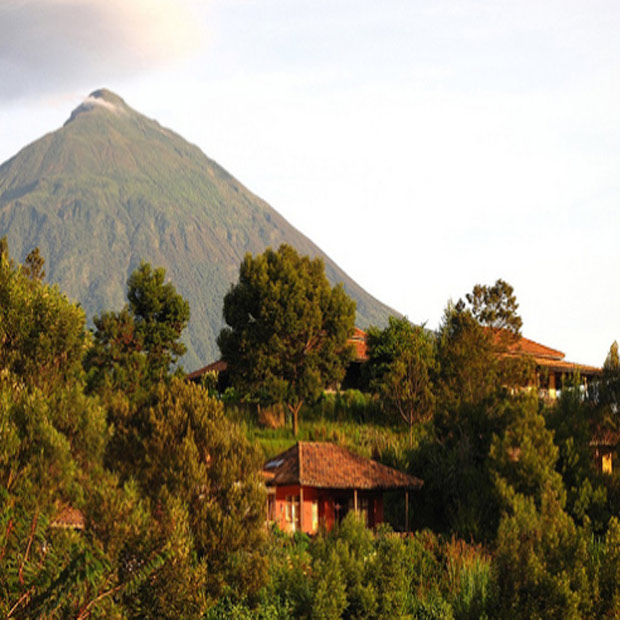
[[68, 517]]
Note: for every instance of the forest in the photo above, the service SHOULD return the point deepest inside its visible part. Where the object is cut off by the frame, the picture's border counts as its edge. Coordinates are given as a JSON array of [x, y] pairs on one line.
[[127, 491]]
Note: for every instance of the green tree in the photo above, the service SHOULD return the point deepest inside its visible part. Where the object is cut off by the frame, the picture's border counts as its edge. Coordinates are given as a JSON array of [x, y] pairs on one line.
[[52, 438], [286, 339], [573, 420], [201, 478], [541, 558], [401, 364], [42, 335], [160, 315], [496, 307], [469, 371], [137, 346], [606, 393], [478, 392]]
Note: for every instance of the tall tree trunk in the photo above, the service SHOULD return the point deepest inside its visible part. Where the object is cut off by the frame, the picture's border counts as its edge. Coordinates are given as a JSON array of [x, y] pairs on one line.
[[295, 411]]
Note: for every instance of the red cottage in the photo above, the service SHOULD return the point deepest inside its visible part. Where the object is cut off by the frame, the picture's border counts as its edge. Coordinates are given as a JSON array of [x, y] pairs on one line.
[[315, 484]]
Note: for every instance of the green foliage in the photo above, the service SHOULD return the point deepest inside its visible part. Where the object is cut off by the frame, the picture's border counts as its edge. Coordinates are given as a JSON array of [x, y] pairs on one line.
[[42, 335], [287, 329], [160, 315], [347, 406], [605, 394], [33, 265], [169, 487], [540, 561], [52, 439], [496, 307], [139, 344], [205, 496], [401, 367], [573, 420], [469, 372]]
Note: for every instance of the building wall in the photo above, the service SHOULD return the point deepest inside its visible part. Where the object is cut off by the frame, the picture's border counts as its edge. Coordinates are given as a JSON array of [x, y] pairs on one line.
[[320, 507]]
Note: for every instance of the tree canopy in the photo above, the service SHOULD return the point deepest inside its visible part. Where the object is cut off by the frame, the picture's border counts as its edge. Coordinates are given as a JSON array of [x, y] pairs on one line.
[[401, 367], [138, 345], [287, 329]]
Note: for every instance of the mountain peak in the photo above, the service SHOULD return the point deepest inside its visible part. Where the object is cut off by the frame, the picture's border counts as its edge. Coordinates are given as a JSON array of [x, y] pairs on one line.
[[101, 98], [150, 195], [103, 94]]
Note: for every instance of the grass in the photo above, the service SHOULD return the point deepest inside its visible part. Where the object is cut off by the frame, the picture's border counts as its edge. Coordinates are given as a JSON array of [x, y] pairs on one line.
[[373, 438]]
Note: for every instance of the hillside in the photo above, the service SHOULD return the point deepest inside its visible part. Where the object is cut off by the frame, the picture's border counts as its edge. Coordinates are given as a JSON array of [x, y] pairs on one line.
[[112, 187]]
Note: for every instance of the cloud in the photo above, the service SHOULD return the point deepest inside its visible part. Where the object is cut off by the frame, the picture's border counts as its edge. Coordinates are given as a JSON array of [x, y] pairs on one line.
[[50, 45], [90, 102]]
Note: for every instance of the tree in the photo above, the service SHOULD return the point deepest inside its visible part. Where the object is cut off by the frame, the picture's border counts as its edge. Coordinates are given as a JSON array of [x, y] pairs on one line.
[[42, 335], [137, 346], [201, 478], [496, 307], [540, 555], [467, 360], [474, 338], [286, 339], [477, 387], [33, 265], [401, 365], [52, 438], [160, 315], [607, 393]]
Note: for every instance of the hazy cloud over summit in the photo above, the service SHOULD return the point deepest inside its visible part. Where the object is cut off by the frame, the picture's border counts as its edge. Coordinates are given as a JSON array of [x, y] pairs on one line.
[[48, 45]]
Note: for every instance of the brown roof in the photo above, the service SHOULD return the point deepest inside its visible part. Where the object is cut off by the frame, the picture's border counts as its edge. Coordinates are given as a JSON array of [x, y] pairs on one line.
[[327, 465], [568, 367], [69, 518], [605, 438], [218, 366], [358, 342], [525, 346], [546, 357]]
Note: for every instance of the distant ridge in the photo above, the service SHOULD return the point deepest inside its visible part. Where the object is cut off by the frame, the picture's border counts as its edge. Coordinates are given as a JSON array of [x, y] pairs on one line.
[[112, 187]]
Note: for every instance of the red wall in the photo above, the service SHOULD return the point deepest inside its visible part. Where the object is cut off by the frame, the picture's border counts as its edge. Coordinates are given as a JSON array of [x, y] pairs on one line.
[[324, 499]]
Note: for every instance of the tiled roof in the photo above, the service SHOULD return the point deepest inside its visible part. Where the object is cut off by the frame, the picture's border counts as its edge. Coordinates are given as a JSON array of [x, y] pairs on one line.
[[525, 346], [69, 518], [546, 357], [218, 366], [358, 342], [327, 465], [564, 366], [608, 437]]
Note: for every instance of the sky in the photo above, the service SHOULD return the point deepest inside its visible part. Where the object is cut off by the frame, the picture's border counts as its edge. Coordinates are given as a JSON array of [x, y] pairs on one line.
[[425, 146]]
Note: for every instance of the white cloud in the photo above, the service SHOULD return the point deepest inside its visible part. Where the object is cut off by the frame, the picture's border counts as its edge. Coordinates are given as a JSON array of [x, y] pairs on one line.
[[50, 45]]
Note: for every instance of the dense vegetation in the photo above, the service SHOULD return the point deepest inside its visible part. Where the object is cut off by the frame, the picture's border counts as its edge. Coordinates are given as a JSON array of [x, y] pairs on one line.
[[514, 519], [112, 187]]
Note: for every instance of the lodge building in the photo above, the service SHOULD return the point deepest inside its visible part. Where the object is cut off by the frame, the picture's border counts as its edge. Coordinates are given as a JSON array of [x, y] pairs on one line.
[[314, 485]]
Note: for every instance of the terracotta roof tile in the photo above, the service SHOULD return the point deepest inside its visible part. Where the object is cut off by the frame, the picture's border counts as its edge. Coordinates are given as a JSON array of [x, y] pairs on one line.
[[327, 465], [217, 366], [564, 366], [69, 518], [546, 357], [525, 346]]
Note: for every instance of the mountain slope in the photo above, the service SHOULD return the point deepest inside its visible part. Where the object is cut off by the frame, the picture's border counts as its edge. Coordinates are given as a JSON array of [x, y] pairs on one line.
[[112, 187]]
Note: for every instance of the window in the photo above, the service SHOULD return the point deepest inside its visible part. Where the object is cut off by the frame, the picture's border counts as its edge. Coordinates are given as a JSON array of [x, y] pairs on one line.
[[292, 512], [315, 515]]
